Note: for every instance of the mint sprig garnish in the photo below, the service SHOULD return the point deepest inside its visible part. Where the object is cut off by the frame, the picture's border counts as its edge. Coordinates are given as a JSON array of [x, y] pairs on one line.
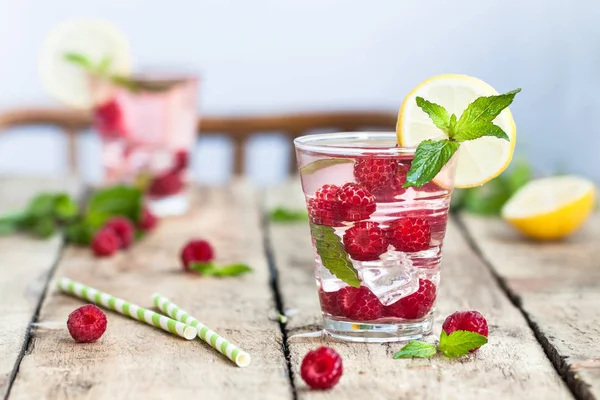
[[416, 348], [457, 344], [333, 255], [475, 122], [212, 269], [100, 69], [285, 215]]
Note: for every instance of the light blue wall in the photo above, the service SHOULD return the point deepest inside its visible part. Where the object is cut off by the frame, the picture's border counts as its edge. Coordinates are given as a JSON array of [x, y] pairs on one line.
[[282, 55]]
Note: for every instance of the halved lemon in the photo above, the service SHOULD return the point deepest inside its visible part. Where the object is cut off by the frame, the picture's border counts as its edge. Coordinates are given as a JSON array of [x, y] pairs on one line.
[[97, 40], [550, 208], [480, 160]]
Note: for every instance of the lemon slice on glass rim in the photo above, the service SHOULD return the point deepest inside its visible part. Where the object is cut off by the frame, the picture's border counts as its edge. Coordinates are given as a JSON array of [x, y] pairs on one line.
[[95, 39], [479, 160]]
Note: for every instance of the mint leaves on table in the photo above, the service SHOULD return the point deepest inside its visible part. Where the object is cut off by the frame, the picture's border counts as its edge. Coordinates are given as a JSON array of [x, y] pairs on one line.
[[47, 213], [333, 256], [42, 217], [418, 349], [457, 344], [284, 215], [211, 269], [475, 122]]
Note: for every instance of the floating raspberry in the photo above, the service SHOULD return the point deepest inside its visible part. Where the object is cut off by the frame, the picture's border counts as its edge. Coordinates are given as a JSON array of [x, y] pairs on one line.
[[199, 251], [409, 234], [359, 304], [181, 160], [323, 208], [148, 221], [321, 368], [355, 202], [166, 184], [416, 305], [471, 321], [105, 243], [365, 241], [87, 323], [375, 174], [123, 228], [108, 119], [328, 302]]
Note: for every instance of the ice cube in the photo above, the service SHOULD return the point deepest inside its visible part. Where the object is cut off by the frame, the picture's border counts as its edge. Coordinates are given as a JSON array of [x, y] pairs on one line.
[[390, 278]]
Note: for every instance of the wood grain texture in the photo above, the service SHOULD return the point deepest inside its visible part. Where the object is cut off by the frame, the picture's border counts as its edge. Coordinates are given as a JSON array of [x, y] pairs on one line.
[[24, 266], [512, 366], [557, 285], [136, 361]]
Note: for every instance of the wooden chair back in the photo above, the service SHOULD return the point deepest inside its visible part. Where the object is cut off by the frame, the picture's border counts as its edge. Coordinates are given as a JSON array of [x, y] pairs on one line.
[[237, 128]]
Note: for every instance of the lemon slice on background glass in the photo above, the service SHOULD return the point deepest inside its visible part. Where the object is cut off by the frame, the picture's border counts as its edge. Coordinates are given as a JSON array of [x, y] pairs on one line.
[[550, 208], [98, 40], [480, 160]]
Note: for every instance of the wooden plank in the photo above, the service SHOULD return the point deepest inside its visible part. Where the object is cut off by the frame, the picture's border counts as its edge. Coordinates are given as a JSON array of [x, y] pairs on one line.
[[24, 266], [133, 360], [557, 285], [512, 366]]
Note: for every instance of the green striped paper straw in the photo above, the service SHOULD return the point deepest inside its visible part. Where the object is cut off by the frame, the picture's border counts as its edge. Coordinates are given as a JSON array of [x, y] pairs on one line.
[[121, 306], [216, 341]]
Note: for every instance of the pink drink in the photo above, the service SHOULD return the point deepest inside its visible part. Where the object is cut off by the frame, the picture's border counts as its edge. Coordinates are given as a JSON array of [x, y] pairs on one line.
[[148, 129], [362, 219]]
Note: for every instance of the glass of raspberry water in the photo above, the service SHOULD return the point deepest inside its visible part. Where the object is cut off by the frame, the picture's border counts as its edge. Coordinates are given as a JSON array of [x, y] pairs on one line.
[[148, 128], [377, 245]]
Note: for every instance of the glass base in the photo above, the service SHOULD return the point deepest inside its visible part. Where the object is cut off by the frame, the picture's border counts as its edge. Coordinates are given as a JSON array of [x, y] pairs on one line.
[[377, 333], [169, 206]]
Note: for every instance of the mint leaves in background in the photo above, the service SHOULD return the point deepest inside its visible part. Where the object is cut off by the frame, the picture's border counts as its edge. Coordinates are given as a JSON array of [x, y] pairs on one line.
[[457, 344], [333, 255], [100, 69], [475, 122], [489, 198]]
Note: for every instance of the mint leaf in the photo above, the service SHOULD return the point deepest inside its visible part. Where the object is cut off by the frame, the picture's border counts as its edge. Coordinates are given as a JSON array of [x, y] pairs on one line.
[[282, 214], [487, 199], [233, 270], [44, 227], [211, 269], [430, 158], [79, 232], [459, 343], [437, 113], [471, 124], [79, 60], [65, 207], [333, 256], [42, 205], [116, 200], [416, 348], [480, 129]]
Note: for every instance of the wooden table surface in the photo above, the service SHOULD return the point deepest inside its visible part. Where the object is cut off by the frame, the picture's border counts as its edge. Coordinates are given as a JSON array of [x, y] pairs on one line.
[[541, 300]]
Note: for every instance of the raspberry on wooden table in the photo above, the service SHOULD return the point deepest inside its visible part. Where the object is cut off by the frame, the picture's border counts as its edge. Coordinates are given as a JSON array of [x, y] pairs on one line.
[[323, 208], [359, 304], [416, 305], [472, 321], [105, 243], [365, 241], [409, 234], [321, 368], [123, 229], [87, 323], [197, 250], [355, 202]]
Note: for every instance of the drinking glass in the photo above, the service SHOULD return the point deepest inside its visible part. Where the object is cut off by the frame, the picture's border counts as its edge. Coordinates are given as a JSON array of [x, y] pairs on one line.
[[147, 124], [377, 244]]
